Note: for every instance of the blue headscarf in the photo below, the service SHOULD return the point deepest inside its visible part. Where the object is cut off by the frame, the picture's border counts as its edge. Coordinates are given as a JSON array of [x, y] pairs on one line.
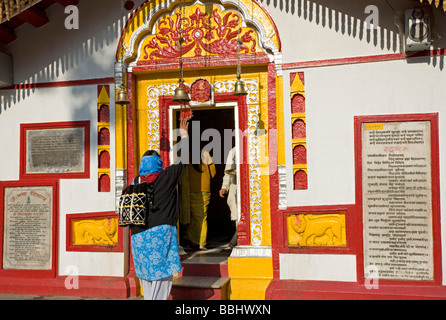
[[150, 164]]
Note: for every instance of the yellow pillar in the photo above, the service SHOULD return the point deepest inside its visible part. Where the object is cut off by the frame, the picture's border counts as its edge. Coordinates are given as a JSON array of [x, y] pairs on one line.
[[280, 125], [121, 136], [250, 277]]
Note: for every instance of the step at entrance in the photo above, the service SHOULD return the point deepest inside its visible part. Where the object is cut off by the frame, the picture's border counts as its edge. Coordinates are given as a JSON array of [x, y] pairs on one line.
[[204, 276], [199, 288]]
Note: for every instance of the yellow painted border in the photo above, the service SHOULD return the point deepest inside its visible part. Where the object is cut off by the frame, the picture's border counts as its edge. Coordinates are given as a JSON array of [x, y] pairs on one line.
[[121, 136]]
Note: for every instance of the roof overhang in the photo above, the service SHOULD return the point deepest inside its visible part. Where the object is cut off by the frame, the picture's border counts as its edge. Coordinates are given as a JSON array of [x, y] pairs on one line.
[[14, 13]]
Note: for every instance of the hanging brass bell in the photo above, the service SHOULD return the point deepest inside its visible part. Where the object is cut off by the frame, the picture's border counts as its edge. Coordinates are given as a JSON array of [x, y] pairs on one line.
[[122, 97], [239, 88], [180, 95]]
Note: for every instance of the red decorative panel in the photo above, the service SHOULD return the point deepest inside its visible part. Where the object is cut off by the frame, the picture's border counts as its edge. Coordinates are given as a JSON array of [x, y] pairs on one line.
[[299, 129], [104, 183], [204, 33], [104, 113], [300, 155], [104, 137], [201, 91], [298, 104], [104, 160], [300, 180]]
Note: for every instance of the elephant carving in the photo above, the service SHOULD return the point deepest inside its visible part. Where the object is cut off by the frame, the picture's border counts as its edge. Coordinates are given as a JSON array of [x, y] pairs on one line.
[[317, 230]]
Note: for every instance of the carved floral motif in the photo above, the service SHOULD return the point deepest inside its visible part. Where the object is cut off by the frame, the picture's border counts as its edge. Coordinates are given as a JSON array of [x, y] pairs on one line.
[[214, 33]]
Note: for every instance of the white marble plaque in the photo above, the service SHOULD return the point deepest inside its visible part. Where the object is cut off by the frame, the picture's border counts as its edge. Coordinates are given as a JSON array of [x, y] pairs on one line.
[[397, 199], [55, 150], [28, 228]]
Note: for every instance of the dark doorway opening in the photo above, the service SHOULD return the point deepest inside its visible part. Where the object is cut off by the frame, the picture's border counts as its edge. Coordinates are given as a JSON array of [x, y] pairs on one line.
[[220, 227]]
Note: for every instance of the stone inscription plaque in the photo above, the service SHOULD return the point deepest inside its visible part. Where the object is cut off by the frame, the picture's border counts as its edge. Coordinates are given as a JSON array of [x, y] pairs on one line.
[[28, 228], [55, 150], [397, 199]]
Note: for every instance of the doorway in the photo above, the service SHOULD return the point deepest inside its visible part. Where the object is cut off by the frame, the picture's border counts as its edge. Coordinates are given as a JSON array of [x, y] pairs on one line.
[[221, 121]]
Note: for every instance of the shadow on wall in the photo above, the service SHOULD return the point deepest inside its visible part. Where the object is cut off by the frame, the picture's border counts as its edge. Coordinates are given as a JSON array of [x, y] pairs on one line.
[[350, 19], [54, 53]]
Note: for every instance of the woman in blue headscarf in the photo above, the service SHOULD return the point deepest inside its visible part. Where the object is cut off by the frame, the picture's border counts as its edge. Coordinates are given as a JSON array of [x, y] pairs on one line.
[[155, 245]]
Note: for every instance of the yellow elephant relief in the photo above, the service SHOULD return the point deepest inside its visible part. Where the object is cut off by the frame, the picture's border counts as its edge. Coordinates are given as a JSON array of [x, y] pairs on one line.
[[323, 230], [99, 232]]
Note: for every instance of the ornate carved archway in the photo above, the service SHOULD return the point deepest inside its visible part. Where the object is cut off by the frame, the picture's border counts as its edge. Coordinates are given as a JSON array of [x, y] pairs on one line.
[[151, 32]]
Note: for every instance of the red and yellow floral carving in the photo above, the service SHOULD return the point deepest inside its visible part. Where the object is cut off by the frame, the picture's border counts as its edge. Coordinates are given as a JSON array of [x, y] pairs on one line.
[[205, 32]]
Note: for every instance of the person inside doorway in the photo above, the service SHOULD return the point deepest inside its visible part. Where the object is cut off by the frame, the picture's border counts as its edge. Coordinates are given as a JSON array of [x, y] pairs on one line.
[[195, 198], [229, 187]]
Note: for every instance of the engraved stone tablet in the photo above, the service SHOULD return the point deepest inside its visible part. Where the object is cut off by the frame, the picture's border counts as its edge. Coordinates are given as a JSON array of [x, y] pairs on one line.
[[397, 199], [28, 228], [58, 150]]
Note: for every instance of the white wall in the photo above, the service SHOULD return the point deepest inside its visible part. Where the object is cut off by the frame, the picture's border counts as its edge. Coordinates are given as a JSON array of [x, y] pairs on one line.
[[328, 29], [318, 267]]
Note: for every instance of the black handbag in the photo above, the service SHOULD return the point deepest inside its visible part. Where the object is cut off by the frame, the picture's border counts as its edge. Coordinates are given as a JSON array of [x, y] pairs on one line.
[[135, 203]]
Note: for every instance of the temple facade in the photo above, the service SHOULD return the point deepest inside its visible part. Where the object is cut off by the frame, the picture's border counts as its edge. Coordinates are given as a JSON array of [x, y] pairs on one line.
[[338, 135]]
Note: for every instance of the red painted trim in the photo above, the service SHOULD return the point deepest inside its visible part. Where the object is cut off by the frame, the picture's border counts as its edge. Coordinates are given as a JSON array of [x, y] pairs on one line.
[[165, 103], [132, 127], [89, 286], [70, 218], [333, 290], [43, 274], [351, 230], [244, 224], [56, 84], [435, 173], [276, 227], [55, 125], [363, 59], [253, 59]]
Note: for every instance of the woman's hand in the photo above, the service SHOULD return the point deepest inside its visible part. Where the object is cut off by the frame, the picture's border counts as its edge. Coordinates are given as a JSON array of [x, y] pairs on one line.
[[184, 126]]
